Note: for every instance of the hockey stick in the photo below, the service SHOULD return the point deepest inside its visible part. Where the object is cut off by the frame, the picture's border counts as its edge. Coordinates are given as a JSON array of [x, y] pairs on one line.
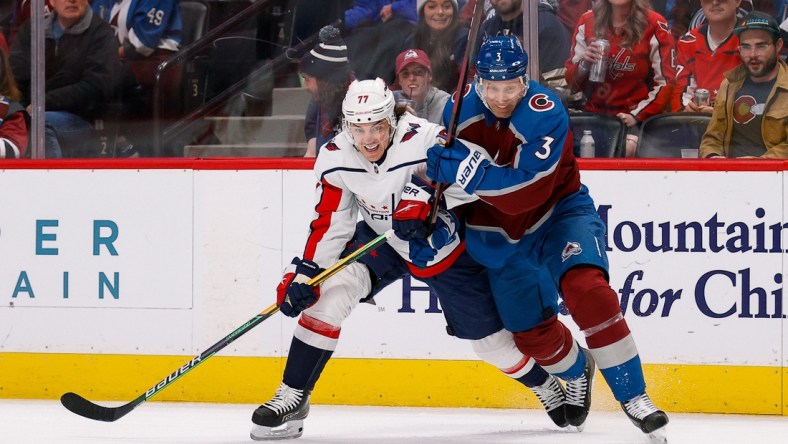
[[451, 131], [91, 410]]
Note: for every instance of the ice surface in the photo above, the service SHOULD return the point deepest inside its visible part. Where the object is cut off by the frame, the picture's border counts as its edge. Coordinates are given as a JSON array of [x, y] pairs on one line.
[[27, 421]]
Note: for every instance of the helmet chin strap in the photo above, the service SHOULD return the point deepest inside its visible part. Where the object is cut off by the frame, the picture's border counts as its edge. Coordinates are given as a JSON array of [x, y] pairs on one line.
[[480, 89]]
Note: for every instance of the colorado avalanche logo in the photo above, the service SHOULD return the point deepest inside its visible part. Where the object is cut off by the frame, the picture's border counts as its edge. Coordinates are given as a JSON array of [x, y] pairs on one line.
[[571, 249], [331, 146], [540, 102], [413, 129], [746, 108], [465, 92]]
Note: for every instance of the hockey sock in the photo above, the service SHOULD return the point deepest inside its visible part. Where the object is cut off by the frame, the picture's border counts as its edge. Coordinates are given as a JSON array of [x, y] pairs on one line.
[[595, 308], [625, 380], [534, 378], [551, 345], [304, 365]]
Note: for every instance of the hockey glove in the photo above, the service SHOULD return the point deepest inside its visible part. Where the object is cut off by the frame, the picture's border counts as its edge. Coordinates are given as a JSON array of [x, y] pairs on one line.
[[294, 295], [445, 229], [457, 164], [410, 216], [423, 251]]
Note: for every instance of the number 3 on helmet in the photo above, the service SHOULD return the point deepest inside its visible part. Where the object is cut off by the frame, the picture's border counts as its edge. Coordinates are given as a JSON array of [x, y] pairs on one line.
[[502, 58]]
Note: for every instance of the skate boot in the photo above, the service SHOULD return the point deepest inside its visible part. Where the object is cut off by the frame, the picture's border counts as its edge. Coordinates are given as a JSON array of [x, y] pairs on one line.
[[283, 416], [647, 417], [552, 396], [578, 394]]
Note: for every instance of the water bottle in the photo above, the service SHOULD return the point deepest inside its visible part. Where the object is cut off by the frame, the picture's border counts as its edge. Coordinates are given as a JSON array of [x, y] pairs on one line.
[[587, 145]]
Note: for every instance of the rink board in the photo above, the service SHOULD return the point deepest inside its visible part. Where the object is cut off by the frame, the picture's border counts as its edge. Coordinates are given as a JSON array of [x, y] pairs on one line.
[[115, 274]]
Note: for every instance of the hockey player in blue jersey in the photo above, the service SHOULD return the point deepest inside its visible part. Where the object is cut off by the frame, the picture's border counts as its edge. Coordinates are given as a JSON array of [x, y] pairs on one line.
[[368, 169], [535, 227], [142, 26]]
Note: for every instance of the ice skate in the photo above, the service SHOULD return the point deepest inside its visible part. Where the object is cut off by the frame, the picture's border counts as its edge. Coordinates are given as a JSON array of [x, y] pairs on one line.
[[647, 417], [282, 417], [552, 396], [578, 394]]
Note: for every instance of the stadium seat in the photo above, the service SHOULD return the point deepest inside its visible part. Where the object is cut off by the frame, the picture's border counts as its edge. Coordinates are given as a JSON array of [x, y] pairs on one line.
[[608, 131], [194, 15], [666, 135]]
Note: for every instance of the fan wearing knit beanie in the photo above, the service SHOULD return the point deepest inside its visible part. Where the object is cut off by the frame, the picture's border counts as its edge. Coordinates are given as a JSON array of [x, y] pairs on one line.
[[326, 73], [440, 34]]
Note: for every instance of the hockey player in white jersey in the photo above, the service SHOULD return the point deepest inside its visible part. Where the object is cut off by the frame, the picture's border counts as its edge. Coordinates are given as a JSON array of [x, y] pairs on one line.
[[372, 167]]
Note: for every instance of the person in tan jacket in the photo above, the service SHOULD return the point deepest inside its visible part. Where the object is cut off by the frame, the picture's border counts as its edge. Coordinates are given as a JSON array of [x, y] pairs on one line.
[[749, 118]]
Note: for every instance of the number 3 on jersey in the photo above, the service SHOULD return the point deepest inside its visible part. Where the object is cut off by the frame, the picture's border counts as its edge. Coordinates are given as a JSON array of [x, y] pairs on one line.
[[547, 148]]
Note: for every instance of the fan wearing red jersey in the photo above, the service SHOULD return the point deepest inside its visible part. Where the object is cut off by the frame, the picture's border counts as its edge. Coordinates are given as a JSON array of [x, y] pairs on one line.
[[704, 54], [640, 72]]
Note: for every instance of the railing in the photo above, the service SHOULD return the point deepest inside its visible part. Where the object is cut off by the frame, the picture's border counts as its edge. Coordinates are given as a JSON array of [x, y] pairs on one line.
[[162, 135]]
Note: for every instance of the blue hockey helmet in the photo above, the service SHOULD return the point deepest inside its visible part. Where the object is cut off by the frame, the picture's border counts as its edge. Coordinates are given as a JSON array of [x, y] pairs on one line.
[[501, 58]]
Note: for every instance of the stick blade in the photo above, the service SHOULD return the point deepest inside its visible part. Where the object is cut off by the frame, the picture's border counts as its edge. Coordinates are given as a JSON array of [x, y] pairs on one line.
[[82, 407]]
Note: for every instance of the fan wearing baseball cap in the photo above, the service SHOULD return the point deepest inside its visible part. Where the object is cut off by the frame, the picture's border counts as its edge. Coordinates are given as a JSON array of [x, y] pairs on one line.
[[414, 77], [751, 110]]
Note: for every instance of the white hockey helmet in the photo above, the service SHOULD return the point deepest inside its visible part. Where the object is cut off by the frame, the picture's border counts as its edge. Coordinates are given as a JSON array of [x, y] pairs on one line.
[[369, 101]]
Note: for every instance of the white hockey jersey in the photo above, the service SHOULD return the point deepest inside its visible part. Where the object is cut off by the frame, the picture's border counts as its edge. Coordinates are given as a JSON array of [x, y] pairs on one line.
[[349, 185]]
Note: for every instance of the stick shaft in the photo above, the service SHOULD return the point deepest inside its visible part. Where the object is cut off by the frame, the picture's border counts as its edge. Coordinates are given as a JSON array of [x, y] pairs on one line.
[[88, 409], [451, 131]]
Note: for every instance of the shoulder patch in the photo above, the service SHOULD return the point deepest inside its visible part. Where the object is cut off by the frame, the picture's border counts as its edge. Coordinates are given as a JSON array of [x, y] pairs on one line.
[[413, 129], [664, 25], [540, 102], [687, 38], [331, 146]]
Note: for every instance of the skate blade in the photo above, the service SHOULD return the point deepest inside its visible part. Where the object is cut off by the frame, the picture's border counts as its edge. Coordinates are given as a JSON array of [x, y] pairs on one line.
[[288, 430], [577, 429], [659, 436]]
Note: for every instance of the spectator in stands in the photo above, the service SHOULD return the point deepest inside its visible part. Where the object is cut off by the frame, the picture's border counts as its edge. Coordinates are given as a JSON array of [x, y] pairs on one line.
[[414, 78], [22, 13], [640, 73], [554, 40], [569, 12], [750, 115], [704, 54], [326, 73], [82, 72], [13, 119], [466, 11], [375, 31], [679, 14], [441, 35], [148, 32]]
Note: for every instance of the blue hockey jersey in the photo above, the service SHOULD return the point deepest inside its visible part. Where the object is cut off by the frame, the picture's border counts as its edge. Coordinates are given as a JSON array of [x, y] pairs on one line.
[[533, 171], [146, 24]]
